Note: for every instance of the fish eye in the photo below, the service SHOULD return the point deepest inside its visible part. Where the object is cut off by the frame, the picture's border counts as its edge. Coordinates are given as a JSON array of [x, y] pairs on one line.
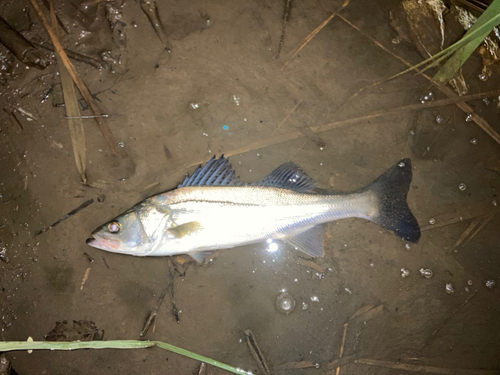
[[114, 227]]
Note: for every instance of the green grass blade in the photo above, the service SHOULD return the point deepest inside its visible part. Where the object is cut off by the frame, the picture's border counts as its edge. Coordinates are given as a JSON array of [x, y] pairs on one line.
[[6, 346], [483, 26], [474, 33]]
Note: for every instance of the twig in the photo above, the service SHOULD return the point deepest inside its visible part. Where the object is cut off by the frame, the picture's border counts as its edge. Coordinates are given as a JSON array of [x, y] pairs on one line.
[[91, 260], [285, 19], [85, 117], [85, 277], [451, 316], [108, 136], [76, 130], [287, 116], [152, 315], [67, 216], [257, 353], [469, 229], [315, 31], [341, 351], [106, 263], [486, 220], [482, 123], [310, 264], [309, 364], [423, 369], [203, 369], [73, 55], [171, 285], [13, 117], [466, 213]]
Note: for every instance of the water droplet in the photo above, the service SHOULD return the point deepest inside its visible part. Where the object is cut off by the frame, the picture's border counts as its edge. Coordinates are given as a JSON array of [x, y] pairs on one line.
[[236, 99], [439, 119], [482, 77], [407, 246], [490, 284], [432, 221], [462, 186], [121, 144], [314, 299], [427, 273], [473, 141], [468, 118], [449, 288], [285, 303], [405, 272], [401, 164], [348, 290], [396, 40]]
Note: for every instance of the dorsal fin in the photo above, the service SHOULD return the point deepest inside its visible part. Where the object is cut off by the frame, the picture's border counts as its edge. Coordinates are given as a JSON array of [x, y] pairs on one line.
[[217, 172], [288, 176]]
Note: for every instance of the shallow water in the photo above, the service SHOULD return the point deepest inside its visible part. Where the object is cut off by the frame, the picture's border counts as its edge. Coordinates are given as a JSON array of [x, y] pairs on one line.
[[221, 90]]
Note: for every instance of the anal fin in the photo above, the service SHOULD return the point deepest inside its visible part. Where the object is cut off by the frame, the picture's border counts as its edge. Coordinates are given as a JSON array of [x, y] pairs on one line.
[[309, 241]]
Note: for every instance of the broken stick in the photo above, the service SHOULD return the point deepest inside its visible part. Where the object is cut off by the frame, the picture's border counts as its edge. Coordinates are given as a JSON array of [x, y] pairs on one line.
[[257, 353]]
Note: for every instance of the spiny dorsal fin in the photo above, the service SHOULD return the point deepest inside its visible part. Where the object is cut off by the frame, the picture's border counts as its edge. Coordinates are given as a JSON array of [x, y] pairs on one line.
[[217, 172], [288, 176], [309, 241]]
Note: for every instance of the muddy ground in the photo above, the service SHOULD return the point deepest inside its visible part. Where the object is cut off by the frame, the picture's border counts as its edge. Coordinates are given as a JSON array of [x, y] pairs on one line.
[[259, 112]]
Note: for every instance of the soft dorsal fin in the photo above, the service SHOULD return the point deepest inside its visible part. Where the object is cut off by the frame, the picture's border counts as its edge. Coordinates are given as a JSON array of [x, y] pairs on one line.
[[288, 176], [217, 172], [309, 241]]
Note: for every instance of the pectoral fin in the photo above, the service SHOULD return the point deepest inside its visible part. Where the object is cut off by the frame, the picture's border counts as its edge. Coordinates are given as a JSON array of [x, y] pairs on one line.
[[201, 255], [185, 229], [309, 242]]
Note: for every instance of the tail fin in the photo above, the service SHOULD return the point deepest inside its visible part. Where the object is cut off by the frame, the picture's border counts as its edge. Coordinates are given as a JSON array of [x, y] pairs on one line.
[[391, 189]]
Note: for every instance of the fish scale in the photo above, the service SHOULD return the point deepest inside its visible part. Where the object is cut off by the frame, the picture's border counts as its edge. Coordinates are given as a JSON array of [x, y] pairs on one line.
[[213, 209]]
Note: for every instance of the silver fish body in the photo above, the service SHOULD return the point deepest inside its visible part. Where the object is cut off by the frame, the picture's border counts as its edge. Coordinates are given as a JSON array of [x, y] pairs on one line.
[[194, 218]]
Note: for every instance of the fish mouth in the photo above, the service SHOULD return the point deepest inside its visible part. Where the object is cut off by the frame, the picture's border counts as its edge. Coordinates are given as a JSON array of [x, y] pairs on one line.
[[103, 244]]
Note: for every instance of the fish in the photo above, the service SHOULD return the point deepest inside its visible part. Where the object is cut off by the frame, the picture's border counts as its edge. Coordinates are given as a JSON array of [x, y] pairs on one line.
[[213, 209]]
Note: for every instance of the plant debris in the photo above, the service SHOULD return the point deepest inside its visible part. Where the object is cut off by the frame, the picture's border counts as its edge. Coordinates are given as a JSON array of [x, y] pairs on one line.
[[82, 330]]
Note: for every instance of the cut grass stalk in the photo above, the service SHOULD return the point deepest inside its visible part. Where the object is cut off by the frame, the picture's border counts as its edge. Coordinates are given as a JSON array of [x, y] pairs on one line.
[[113, 344]]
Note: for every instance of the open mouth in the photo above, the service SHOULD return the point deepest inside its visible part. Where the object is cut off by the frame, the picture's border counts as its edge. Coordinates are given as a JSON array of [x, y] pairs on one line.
[[103, 244]]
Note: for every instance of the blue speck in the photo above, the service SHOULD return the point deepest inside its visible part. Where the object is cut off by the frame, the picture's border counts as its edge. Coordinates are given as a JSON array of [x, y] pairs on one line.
[[225, 127]]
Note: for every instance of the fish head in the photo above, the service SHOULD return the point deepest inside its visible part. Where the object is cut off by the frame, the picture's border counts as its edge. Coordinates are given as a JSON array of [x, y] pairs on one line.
[[124, 234]]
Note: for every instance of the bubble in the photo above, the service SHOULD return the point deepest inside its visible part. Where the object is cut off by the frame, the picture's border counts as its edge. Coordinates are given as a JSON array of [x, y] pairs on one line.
[[405, 272], [469, 282], [473, 141], [439, 119], [490, 284], [305, 306], [121, 144], [285, 303], [482, 77], [408, 247], [427, 273], [194, 105], [236, 99], [314, 299], [316, 365], [486, 101], [396, 40], [432, 221], [468, 118], [449, 288], [462, 186], [493, 202], [401, 164]]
